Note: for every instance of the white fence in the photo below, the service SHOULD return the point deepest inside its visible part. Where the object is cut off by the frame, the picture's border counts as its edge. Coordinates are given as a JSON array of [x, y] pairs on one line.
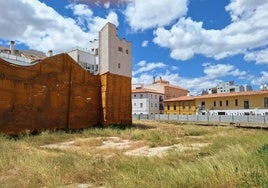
[[205, 118]]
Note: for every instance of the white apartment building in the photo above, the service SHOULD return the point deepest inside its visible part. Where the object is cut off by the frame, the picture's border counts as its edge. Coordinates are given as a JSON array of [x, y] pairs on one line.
[[229, 87], [147, 101], [87, 58]]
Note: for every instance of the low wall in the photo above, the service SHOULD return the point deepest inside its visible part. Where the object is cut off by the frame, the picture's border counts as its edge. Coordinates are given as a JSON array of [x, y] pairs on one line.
[[205, 118]]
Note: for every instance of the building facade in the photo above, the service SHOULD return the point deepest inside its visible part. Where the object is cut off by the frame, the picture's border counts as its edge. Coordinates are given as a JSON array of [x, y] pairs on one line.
[[228, 87], [57, 93], [169, 90], [147, 101], [237, 103]]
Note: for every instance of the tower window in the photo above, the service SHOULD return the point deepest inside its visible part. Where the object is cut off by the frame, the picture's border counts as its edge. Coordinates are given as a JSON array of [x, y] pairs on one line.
[[126, 51], [119, 66], [120, 49]]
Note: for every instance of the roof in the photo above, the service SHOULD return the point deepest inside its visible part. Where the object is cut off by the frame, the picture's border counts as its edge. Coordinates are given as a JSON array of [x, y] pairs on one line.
[[182, 98], [218, 95], [176, 87], [145, 90], [244, 93]]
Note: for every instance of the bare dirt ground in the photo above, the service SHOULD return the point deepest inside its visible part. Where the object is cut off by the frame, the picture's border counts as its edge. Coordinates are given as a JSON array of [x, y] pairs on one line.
[[126, 146]]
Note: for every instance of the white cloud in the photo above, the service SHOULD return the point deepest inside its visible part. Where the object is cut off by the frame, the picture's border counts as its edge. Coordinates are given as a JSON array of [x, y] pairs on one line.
[[212, 75], [260, 57], [195, 85], [145, 14], [221, 70], [145, 43], [107, 5], [262, 79], [247, 31], [143, 66], [42, 28]]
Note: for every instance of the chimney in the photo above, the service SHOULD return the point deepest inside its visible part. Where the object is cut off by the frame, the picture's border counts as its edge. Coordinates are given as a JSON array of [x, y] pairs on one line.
[[49, 53], [11, 48]]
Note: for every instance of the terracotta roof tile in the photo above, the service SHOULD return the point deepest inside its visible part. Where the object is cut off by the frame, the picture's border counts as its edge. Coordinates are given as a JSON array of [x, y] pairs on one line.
[[145, 90], [218, 95]]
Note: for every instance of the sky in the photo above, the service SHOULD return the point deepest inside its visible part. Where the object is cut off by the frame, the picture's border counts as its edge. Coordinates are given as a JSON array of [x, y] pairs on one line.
[[194, 44]]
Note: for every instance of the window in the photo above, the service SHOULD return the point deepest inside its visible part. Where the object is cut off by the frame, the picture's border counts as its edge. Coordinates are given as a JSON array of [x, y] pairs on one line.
[[119, 65], [167, 107], [227, 103], [236, 102], [151, 104], [141, 105], [174, 107], [134, 104], [126, 51], [134, 95], [151, 96], [214, 103], [156, 105], [141, 95], [120, 49], [220, 103], [265, 102], [246, 104], [155, 96]]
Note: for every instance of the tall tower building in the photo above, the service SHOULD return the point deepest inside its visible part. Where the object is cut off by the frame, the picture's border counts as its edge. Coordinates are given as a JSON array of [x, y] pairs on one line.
[[115, 74]]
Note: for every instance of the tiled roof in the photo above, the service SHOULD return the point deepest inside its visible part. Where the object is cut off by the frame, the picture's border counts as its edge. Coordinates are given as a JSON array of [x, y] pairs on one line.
[[145, 90], [182, 98], [218, 95], [176, 87]]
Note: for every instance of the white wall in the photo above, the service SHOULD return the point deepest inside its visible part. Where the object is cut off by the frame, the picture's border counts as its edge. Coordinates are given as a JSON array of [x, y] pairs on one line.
[[111, 59]]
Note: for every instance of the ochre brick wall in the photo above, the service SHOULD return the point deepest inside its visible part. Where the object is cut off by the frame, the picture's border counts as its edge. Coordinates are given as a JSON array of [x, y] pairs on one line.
[[116, 99], [53, 94]]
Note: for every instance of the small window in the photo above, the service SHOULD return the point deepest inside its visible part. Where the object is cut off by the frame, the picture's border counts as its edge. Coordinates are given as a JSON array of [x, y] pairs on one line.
[[141, 105], [168, 107], [119, 66], [214, 103], [134, 104], [120, 49], [220, 103], [174, 107], [126, 51], [246, 104], [156, 105], [227, 103], [265, 102], [141, 95], [236, 102]]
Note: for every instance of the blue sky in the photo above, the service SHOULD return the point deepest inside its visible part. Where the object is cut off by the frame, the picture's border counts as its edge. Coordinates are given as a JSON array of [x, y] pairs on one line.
[[191, 43]]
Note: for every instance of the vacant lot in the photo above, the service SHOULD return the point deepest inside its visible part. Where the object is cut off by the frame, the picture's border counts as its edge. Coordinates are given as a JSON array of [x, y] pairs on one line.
[[148, 154]]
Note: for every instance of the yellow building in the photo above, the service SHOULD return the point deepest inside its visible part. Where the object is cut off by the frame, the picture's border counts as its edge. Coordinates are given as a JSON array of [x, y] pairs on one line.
[[236, 103]]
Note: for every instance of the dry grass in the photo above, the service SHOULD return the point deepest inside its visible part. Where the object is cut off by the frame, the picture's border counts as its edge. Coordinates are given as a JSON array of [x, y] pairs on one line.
[[197, 156]]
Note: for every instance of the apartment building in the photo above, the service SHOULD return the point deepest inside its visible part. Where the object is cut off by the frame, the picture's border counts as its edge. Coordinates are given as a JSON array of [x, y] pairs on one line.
[[236, 103], [228, 87], [169, 90], [147, 101], [21, 57]]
